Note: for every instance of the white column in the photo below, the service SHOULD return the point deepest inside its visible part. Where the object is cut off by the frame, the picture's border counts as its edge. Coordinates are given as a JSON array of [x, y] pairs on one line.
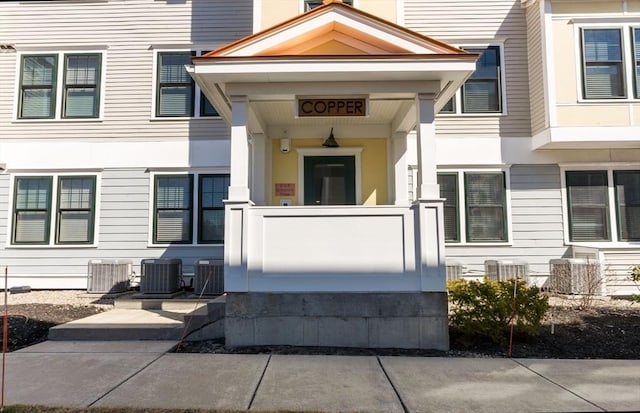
[[400, 168], [426, 133], [239, 185], [258, 183]]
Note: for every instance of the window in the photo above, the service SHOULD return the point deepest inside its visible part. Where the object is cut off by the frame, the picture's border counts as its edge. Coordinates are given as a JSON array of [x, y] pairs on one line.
[[75, 209], [627, 190], [312, 4], [591, 212], [602, 62], [32, 210], [449, 192], [212, 191], [482, 92], [173, 211], [477, 204], [176, 90], [636, 59], [80, 86], [588, 206]]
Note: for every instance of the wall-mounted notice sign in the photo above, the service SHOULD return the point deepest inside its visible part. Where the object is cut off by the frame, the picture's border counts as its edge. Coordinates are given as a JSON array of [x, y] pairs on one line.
[[309, 107], [285, 189]]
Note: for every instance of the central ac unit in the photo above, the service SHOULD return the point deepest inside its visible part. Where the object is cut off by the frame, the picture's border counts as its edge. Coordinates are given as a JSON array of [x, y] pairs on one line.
[[502, 270], [454, 270], [574, 275], [208, 277], [108, 276], [160, 276]]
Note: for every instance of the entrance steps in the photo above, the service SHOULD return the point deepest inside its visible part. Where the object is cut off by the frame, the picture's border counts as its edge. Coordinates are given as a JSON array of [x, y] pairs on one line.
[[149, 319]]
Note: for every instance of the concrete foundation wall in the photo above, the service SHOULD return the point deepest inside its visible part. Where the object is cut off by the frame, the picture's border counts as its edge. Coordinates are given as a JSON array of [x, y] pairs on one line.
[[368, 320]]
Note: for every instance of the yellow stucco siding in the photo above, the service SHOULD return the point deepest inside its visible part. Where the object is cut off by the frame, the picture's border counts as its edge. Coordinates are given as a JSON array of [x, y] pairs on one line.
[[593, 115], [588, 7], [385, 9], [373, 162], [276, 11], [564, 55]]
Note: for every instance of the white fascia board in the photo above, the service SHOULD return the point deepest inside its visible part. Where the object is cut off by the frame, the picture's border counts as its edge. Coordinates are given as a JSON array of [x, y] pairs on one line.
[[352, 69], [334, 16], [588, 137], [400, 89]]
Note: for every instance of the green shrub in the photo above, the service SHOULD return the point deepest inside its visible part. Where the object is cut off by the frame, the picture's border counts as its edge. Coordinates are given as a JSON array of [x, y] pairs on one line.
[[487, 308], [635, 277]]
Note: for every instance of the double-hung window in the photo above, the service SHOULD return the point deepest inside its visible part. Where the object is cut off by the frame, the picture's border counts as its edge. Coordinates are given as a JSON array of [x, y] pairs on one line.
[[482, 92], [475, 202], [602, 64], [177, 95], [610, 62], [173, 212], [53, 90], [74, 217], [591, 210]]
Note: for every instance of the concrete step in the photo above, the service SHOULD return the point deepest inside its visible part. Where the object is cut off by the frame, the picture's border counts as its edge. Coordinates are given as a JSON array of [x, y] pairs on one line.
[[149, 320]]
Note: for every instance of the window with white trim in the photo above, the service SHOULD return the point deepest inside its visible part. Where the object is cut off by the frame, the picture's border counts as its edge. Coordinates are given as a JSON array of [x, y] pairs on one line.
[[609, 60], [475, 206], [482, 92], [50, 90], [173, 208], [74, 213], [177, 95], [590, 208], [602, 64]]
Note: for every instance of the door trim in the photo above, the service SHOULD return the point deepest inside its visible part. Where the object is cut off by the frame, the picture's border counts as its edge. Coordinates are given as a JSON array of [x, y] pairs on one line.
[[354, 151]]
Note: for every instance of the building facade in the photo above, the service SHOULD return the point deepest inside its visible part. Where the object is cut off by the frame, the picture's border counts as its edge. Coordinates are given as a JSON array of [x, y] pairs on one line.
[[110, 149]]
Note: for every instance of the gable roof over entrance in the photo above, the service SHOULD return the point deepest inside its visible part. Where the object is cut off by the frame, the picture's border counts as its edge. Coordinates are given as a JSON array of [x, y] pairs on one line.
[[333, 43]]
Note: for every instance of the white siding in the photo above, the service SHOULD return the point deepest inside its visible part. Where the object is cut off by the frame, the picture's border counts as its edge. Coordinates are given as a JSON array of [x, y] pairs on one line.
[[128, 31], [463, 21], [536, 223], [536, 69], [122, 232], [617, 269]]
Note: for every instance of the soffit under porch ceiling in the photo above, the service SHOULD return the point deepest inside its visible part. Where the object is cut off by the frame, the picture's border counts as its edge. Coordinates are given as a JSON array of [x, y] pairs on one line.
[[334, 44]]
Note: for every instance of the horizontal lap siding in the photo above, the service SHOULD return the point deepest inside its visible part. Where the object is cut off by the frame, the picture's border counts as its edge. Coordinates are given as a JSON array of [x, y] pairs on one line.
[[536, 69], [130, 30], [536, 220], [465, 20], [123, 233], [618, 272]]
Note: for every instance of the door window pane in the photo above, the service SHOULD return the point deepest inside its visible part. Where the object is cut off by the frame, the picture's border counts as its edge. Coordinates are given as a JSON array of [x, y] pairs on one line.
[[627, 190], [31, 210], [37, 87], [602, 63], [173, 209], [587, 199], [486, 207]]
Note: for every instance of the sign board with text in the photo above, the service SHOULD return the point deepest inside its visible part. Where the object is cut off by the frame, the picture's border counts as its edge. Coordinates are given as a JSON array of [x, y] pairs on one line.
[[325, 107]]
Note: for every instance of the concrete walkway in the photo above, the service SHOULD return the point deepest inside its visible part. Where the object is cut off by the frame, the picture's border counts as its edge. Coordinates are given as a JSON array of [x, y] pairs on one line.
[[143, 374]]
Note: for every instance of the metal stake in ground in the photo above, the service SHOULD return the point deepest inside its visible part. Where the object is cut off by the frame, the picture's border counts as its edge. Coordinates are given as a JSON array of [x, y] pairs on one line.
[[5, 331]]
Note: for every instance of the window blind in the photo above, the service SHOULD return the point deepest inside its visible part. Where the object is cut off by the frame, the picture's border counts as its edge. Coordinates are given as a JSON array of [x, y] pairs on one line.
[[485, 207], [587, 199]]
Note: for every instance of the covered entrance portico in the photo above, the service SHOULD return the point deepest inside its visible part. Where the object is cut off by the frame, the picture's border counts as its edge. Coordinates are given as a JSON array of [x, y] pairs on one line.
[[322, 246]]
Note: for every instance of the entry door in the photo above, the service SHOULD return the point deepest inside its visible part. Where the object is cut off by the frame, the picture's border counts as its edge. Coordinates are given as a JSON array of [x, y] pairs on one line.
[[329, 180]]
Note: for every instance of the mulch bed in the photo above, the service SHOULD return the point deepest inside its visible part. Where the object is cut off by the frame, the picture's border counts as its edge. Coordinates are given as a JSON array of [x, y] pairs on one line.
[[599, 332], [29, 323]]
